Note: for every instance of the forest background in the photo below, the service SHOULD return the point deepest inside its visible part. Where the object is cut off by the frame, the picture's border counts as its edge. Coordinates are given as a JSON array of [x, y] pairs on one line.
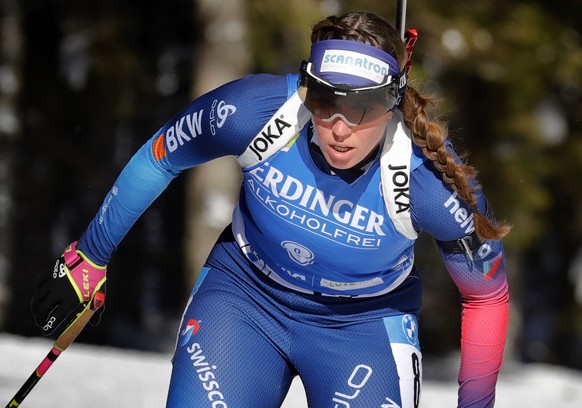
[[83, 84]]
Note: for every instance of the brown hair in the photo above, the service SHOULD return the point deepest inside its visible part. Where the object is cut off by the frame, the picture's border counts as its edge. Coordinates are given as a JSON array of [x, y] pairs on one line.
[[427, 134]]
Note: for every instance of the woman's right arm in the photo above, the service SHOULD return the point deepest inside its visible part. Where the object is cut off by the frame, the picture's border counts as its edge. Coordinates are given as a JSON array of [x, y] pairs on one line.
[[219, 123]]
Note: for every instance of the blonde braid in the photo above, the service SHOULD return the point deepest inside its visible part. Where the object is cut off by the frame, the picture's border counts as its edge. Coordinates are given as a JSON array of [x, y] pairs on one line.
[[430, 136]]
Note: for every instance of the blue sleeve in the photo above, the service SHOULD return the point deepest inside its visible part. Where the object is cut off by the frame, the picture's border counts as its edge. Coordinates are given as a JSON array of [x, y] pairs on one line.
[[219, 123], [437, 210]]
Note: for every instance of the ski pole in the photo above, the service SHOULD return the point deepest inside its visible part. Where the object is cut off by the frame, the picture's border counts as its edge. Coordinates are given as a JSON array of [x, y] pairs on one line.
[[401, 17], [60, 345]]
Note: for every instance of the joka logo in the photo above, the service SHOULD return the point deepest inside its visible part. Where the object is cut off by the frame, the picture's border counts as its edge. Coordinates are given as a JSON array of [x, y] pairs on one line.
[[190, 329]]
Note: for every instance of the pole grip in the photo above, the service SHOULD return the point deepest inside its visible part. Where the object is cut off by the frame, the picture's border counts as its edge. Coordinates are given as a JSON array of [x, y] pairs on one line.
[[70, 334]]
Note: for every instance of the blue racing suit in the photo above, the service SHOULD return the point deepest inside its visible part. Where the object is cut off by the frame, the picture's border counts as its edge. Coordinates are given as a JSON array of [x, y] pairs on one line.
[[314, 277]]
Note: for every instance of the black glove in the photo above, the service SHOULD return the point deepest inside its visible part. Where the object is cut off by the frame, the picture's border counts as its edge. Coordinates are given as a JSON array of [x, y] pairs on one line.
[[63, 292]]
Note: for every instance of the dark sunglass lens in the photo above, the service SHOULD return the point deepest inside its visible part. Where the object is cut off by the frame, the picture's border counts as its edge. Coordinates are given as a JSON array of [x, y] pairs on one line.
[[357, 107]]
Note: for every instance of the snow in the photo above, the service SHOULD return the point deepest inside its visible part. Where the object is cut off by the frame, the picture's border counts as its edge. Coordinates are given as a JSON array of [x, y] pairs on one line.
[[91, 377]]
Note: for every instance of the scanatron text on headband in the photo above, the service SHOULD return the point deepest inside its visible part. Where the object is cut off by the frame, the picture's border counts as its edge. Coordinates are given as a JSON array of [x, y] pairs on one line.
[[354, 63]]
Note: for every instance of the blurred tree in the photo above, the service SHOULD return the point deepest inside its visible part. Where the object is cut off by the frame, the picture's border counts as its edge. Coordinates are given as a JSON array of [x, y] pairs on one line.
[[280, 32], [213, 187], [11, 59], [94, 75]]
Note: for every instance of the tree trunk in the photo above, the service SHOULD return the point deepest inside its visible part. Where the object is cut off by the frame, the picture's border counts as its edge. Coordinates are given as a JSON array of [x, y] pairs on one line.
[[10, 81], [213, 187]]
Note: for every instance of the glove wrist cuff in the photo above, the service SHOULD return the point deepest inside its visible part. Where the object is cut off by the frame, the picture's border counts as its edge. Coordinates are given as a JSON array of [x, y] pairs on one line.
[[85, 276], [74, 256]]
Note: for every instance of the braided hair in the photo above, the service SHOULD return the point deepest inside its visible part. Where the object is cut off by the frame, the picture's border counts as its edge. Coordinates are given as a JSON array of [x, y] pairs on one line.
[[429, 135]]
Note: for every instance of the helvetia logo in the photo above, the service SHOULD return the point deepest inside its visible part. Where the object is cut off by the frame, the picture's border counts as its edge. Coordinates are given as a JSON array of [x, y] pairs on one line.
[[190, 329]]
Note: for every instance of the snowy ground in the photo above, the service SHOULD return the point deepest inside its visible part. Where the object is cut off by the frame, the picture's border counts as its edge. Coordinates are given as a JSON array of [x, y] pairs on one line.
[[94, 377]]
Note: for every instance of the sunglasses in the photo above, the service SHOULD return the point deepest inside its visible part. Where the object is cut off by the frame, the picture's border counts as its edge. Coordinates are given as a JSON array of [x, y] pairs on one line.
[[355, 106]]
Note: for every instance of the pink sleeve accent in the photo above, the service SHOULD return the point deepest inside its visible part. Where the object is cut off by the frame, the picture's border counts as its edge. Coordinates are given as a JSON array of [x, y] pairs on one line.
[[482, 283], [483, 333]]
